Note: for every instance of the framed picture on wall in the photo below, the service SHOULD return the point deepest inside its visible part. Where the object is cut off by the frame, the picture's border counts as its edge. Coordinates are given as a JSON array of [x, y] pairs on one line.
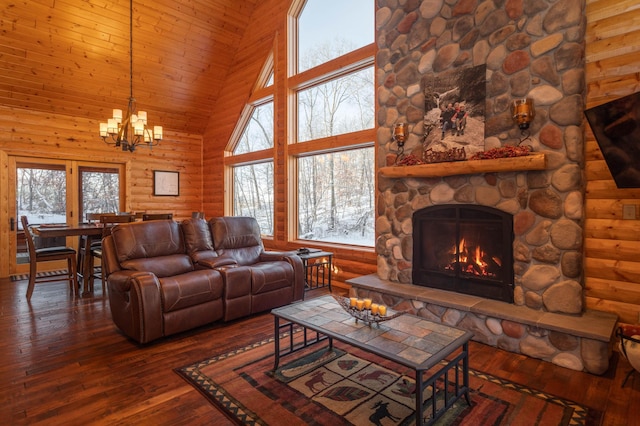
[[166, 183]]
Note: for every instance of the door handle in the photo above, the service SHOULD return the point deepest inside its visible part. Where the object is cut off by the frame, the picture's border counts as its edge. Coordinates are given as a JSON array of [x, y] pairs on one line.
[[13, 224]]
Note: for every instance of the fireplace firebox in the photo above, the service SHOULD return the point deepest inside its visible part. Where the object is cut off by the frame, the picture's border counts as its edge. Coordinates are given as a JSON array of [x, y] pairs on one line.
[[464, 248]]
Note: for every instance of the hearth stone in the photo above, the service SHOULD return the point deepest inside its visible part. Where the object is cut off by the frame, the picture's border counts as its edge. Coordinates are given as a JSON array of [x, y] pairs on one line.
[[578, 342]]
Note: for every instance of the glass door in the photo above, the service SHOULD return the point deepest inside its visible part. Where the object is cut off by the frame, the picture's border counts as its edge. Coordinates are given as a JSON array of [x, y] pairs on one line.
[[41, 196], [99, 191], [47, 191]]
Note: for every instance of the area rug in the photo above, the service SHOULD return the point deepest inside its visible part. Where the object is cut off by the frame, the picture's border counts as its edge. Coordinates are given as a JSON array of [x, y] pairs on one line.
[[25, 277], [347, 386]]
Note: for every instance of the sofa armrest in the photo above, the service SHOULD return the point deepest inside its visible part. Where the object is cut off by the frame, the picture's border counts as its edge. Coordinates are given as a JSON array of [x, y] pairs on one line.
[[270, 256], [296, 263], [136, 305], [216, 261]]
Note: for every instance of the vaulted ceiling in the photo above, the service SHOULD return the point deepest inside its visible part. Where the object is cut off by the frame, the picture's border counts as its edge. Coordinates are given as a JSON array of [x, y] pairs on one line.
[[71, 57]]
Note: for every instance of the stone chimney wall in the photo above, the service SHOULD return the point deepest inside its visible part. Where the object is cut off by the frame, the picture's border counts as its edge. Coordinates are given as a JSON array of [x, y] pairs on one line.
[[532, 49]]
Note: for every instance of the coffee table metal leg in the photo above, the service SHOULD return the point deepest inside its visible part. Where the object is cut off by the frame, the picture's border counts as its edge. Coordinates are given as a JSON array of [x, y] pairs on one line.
[[276, 339], [419, 407], [465, 372]]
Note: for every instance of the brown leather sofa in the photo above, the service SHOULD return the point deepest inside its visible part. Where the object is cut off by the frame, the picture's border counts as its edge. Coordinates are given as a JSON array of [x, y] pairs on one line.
[[165, 277]]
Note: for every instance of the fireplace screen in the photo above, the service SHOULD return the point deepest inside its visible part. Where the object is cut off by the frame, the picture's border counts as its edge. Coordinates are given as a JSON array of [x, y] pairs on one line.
[[466, 249]]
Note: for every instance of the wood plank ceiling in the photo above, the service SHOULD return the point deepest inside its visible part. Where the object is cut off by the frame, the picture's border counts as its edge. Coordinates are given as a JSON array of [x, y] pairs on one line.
[[71, 57]]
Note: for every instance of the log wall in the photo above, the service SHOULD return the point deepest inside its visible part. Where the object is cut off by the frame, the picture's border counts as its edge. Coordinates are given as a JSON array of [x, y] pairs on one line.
[[43, 135], [612, 263]]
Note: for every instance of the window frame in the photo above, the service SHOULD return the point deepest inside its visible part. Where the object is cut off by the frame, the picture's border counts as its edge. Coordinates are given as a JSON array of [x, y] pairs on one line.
[[262, 93], [282, 65], [92, 168], [348, 63]]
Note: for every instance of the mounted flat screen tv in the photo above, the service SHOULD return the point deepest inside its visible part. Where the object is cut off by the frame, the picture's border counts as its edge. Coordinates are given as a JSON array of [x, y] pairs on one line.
[[616, 127]]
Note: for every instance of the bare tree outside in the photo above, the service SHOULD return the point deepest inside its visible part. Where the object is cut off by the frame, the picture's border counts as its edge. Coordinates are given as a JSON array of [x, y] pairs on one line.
[[41, 194], [253, 183], [100, 191], [336, 190], [253, 193], [258, 133]]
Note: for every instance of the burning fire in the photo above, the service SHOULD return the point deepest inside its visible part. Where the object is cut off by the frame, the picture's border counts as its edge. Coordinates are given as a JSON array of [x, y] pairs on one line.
[[473, 261]]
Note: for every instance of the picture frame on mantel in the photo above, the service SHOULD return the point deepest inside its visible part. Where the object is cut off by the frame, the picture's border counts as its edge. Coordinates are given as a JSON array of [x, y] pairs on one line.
[[166, 183]]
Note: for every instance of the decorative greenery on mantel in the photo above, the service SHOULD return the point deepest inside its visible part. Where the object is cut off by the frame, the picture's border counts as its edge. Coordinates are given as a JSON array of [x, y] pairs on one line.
[[515, 164]]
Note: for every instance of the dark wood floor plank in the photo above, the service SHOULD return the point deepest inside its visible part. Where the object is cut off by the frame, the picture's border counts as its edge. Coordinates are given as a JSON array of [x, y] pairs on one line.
[[62, 361]]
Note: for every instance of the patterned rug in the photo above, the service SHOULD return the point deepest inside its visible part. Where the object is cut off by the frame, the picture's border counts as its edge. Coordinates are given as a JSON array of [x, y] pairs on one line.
[[347, 386]]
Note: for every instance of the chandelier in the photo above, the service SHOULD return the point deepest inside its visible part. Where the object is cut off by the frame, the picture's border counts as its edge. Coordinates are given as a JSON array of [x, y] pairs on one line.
[[130, 130]]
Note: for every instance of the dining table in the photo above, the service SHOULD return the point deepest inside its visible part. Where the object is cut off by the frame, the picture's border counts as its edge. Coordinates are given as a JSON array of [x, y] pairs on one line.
[[92, 231]]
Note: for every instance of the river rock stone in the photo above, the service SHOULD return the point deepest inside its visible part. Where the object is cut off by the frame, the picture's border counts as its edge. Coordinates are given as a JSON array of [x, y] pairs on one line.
[[566, 235], [451, 317], [568, 360], [442, 193], [595, 355], [571, 264], [438, 310], [567, 178], [563, 15], [494, 326], [540, 277], [487, 196], [546, 203], [430, 8], [539, 235], [564, 297], [475, 325], [573, 205], [522, 222], [563, 341], [512, 329], [533, 300], [546, 254], [537, 348]]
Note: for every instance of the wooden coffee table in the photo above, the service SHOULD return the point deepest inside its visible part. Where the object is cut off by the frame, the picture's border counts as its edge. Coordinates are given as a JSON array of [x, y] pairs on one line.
[[434, 351]]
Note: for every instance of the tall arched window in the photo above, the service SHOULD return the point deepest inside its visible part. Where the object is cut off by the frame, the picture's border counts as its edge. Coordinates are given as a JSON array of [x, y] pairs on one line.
[[251, 159]]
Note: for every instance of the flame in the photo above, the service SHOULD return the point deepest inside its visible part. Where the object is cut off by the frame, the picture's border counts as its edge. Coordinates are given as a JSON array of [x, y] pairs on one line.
[[471, 260]]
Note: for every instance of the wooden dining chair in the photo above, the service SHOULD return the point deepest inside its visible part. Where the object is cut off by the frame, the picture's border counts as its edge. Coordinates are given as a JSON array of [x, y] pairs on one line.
[[84, 248], [157, 216], [48, 254], [107, 221]]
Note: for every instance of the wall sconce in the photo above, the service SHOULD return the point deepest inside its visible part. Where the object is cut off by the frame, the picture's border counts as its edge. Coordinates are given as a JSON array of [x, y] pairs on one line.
[[399, 133], [523, 112], [399, 137]]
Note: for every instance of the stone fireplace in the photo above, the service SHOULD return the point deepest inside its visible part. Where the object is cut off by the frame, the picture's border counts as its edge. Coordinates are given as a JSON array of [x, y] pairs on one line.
[[464, 248], [531, 49]]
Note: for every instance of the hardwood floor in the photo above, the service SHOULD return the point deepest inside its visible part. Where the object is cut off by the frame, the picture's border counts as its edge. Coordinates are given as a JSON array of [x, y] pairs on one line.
[[62, 361]]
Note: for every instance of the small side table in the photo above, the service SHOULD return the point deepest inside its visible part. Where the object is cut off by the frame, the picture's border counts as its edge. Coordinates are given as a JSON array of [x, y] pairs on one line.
[[317, 267]]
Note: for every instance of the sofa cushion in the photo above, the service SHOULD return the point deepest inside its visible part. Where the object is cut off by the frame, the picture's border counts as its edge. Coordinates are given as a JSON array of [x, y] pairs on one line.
[[156, 246], [197, 236], [238, 237], [147, 239], [190, 289], [161, 266]]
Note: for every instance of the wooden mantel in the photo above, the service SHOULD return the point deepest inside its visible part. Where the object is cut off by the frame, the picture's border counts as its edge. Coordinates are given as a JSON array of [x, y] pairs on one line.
[[467, 167]]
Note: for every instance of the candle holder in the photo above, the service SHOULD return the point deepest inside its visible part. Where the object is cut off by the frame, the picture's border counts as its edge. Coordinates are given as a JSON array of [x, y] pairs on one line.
[[365, 315]]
